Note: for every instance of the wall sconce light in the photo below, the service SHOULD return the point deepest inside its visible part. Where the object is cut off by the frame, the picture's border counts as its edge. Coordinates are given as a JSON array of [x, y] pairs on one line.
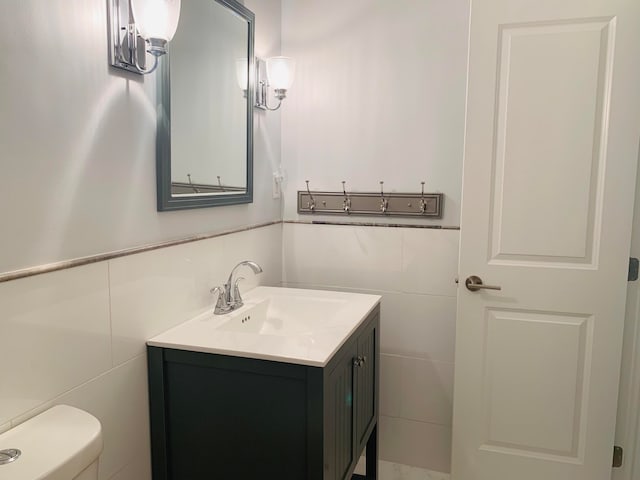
[[276, 72], [139, 27]]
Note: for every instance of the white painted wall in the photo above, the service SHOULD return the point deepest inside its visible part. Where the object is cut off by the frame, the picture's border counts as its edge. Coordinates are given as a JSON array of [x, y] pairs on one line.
[[379, 95], [78, 140]]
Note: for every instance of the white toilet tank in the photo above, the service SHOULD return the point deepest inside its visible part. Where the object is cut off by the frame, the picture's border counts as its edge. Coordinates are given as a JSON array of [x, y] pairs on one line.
[[63, 443]]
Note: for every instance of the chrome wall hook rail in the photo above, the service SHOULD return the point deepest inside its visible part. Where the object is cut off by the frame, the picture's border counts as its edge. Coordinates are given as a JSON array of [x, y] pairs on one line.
[[424, 205]]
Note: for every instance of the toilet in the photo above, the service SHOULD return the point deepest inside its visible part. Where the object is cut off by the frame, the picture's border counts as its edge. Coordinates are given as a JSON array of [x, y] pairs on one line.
[[63, 443]]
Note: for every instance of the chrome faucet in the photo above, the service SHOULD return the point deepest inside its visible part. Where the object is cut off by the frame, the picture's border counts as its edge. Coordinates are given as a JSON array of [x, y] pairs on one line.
[[229, 298]]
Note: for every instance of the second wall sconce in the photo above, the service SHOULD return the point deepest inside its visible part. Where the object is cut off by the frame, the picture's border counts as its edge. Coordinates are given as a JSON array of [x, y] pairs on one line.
[[277, 73], [242, 74], [138, 27]]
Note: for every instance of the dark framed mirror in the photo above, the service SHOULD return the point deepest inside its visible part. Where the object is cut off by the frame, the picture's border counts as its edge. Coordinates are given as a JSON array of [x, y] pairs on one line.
[[204, 144]]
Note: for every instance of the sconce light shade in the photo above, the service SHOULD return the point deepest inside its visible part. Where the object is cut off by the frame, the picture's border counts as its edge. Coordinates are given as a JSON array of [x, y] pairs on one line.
[[156, 19], [280, 72], [137, 23], [242, 73], [277, 73]]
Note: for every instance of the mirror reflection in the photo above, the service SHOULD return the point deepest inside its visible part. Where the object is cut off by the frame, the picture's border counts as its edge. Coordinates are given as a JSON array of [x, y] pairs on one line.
[[210, 145]]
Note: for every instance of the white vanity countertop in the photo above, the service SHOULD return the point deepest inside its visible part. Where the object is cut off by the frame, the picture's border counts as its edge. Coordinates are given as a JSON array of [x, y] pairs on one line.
[[305, 327]]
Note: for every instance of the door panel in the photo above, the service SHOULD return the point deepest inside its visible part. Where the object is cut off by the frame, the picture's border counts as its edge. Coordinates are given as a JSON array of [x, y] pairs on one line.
[[551, 147], [527, 355], [553, 94]]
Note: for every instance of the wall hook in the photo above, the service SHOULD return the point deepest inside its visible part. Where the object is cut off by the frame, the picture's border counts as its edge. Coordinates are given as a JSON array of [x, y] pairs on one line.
[[384, 203], [346, 203], [312, 203], [195, 189]]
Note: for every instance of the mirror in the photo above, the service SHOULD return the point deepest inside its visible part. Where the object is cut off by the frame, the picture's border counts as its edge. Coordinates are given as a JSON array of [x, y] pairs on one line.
[[205, 112]]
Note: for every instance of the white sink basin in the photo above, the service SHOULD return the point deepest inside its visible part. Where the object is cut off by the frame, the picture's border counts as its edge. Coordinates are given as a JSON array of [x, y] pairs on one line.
[[285, 315], [284, 324]]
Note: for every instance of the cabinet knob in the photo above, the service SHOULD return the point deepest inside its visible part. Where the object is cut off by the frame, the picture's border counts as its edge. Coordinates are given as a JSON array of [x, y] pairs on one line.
[[359, 361]]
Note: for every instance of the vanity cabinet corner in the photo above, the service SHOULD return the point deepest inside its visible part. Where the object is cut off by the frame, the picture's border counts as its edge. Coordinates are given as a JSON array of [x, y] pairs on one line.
[[218, 416]]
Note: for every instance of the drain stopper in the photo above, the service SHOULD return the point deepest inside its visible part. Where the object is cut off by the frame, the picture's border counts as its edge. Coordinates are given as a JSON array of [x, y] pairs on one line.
[[9, 455]]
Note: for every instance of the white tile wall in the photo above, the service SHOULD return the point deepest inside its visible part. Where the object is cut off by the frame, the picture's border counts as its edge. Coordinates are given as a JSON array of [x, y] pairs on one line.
[[356, 257], [59, 331], [418, 444], [416, 389], [181, 277], [397, 471], [421, 326], [55, 335], [119, 400], [409, 260], [414, 270], [429, 261], [154, 291]]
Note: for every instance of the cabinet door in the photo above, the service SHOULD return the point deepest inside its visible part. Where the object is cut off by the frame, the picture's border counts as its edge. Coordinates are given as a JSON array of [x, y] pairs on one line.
[[366, 384], [340, 414]]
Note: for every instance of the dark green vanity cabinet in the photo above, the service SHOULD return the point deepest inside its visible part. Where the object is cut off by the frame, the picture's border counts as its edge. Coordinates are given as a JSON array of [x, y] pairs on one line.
[[224, 417]]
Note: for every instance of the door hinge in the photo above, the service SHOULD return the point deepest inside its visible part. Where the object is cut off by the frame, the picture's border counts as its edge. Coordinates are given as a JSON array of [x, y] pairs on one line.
[[618, 454], [633, 269]]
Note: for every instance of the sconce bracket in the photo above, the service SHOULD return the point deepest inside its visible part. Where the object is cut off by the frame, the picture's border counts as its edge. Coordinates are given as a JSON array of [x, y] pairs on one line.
[[122, 34], [262, 84], [262, 88]]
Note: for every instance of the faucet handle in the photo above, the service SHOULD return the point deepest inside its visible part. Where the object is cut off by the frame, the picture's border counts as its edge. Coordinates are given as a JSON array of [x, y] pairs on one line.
[[222, 306], [219, 290]]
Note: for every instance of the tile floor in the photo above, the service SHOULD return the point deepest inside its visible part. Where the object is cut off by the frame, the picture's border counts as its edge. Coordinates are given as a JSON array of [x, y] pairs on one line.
[[396, 471]]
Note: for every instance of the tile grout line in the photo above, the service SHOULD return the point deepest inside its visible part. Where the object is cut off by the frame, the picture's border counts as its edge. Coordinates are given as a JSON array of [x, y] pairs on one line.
[[413, 357], [369, 290], [444, 425], [110, 312]]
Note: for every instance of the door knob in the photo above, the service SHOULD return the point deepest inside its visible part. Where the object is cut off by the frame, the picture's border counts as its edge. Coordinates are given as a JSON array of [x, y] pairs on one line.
[[474, 283]]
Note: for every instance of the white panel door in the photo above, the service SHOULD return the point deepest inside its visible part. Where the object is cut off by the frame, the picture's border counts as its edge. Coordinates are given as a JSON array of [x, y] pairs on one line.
[[551, 148]]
